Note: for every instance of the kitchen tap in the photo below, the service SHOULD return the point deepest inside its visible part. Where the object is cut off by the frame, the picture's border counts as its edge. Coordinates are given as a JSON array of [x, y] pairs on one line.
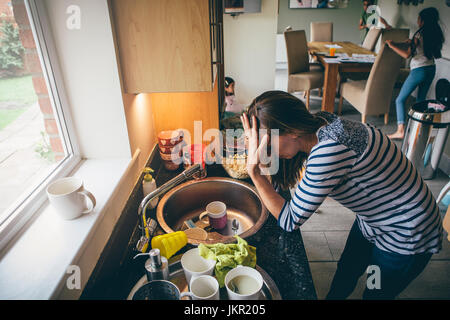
[[149, 225]]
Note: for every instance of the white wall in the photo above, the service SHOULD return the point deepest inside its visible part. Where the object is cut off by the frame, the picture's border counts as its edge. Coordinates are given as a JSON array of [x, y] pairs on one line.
[[345, 20], [249, 49], [281, 53], [88, 63]]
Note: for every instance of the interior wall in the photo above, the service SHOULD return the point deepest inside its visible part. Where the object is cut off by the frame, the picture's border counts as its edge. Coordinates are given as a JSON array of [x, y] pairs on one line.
[[345, 20], [89, 69], [140, 125], [249, 49]]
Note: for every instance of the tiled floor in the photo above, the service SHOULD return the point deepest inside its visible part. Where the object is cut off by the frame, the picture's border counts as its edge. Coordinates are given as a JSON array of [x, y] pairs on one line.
[[325, 234]]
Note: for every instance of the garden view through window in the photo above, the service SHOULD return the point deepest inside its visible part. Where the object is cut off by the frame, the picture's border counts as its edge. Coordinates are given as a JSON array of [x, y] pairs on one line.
[[30, 141]]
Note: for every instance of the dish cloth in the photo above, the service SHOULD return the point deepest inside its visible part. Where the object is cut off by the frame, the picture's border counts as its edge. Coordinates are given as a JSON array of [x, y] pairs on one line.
[[228, 256]]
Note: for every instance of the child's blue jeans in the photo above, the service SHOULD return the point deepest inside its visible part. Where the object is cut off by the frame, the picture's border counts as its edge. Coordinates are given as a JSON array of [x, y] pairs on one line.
[[418, 77]]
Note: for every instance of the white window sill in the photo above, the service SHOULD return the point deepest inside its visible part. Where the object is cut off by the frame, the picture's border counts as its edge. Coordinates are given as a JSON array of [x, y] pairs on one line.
[[36, 264]]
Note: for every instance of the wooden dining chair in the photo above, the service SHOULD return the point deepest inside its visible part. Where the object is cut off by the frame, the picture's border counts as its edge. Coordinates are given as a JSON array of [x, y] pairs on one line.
[[302, 76], [370, 42], [394, 34], [321, 31], [373, 96], [371, 39]]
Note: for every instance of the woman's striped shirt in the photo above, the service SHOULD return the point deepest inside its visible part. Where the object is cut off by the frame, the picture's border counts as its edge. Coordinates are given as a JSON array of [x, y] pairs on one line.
[[358, 166]]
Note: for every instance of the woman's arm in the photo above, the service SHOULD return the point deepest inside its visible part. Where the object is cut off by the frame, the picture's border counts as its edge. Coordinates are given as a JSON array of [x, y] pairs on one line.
[[401, 52], [271, 199], [387, 25], [326, 166], [361, 24]]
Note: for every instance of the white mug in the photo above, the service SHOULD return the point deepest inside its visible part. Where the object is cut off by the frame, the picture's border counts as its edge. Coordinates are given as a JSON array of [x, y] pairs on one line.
[[195, 265], [248, 281], [68, 197], [203, 288]]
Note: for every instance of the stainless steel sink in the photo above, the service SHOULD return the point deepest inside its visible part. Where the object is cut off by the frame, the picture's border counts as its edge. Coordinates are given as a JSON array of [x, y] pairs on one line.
[[189, 200]]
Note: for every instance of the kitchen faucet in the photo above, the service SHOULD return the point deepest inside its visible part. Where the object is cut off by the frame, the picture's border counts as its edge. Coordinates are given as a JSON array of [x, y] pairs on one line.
[[148, 226]]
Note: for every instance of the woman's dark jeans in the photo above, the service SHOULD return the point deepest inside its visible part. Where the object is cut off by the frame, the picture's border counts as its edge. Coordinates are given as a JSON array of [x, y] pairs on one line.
[[396, 270]]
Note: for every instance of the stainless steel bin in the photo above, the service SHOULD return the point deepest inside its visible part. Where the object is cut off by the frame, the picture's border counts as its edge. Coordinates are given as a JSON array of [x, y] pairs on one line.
[[425, 137]]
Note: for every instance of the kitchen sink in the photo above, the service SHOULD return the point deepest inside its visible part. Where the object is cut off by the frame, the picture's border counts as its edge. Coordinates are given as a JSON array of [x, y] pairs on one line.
[[189, 200]]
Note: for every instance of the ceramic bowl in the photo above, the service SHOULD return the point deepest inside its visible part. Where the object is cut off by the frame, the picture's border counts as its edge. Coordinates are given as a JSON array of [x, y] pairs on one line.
[[170, 138]]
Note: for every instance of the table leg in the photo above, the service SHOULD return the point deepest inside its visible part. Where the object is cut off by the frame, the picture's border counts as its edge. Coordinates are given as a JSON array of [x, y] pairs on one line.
[[330, 83]]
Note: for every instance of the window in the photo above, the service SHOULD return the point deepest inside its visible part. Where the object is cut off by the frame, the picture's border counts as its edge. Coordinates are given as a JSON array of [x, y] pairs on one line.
[[36, 144]]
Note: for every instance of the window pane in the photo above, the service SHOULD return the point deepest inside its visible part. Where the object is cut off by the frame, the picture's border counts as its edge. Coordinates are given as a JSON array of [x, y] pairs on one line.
[[31, 145]]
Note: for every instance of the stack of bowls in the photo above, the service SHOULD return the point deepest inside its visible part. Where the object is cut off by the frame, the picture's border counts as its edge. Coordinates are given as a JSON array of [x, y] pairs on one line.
[[170, 148]]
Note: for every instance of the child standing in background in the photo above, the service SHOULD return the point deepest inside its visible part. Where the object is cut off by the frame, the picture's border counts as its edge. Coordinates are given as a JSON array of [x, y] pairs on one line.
[[424, 47], [232, 106]]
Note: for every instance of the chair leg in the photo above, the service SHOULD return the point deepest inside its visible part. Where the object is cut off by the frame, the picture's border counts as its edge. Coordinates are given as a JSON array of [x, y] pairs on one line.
[[363, 118], [307, 98], [386, 118], [341, 100], [339, 83], [320, 92]]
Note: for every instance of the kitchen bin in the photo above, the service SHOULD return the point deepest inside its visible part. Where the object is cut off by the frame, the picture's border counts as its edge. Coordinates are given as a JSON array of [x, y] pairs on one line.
[[427, 132]]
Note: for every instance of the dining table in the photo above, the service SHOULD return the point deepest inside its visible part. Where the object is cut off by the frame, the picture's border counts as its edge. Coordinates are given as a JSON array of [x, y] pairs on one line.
[[343, 61]]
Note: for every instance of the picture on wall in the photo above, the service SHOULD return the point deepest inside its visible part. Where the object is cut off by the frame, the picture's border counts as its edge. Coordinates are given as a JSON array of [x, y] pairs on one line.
[[317, 4]]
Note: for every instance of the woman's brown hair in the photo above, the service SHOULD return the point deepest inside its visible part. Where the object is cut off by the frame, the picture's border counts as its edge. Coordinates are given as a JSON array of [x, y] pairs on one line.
[[283, 111]]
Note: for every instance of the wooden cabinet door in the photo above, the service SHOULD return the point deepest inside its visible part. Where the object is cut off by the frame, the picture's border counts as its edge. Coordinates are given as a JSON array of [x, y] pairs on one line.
[[163, 45]]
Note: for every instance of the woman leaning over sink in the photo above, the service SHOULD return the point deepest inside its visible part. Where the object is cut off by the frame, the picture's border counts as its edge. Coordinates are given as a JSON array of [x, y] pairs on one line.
[[397, 225]]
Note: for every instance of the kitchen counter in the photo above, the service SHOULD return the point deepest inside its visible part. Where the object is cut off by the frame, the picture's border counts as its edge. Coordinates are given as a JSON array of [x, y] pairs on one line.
[[281, 254]]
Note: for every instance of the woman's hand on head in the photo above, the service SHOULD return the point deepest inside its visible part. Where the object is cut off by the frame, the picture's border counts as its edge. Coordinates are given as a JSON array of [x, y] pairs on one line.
[[255, 145]]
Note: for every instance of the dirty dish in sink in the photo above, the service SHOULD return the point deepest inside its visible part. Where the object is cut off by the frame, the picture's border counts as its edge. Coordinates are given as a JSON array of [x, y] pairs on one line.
[[158, 290], [217, 214], [269, 290], [195, 265], [242, 201]]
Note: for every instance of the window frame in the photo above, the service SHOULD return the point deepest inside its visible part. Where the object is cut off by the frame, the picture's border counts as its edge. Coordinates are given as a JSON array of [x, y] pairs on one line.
[[20, 214]]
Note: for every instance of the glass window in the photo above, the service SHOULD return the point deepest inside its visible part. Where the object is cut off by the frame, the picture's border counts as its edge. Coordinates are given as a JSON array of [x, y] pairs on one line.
[[33, 137]]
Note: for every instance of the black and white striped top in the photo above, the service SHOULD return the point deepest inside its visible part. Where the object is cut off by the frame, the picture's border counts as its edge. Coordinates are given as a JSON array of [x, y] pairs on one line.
[[362, 169]]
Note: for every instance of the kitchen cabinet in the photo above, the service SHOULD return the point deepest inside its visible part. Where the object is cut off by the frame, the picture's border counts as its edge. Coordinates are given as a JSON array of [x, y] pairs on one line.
[[168, 45]]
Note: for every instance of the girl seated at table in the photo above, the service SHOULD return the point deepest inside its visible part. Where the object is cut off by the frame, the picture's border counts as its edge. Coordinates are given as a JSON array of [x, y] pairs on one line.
[[425, 46]]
